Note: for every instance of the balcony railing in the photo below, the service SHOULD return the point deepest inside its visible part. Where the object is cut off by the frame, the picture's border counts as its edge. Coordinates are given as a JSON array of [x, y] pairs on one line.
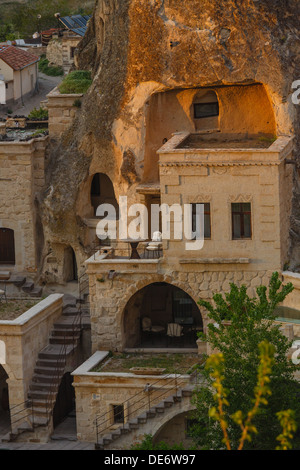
[[127, 250]]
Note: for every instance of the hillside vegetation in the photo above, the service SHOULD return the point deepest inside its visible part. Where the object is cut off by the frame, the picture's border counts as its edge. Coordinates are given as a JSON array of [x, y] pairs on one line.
[[22, 15]]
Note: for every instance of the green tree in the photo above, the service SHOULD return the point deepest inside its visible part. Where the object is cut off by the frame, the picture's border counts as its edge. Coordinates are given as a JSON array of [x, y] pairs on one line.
[[238, 325], [215, 366]]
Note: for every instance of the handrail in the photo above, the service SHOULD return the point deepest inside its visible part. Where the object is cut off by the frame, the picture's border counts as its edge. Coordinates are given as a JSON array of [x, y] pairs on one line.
[[169, 379], [27, 406], [62, 357]]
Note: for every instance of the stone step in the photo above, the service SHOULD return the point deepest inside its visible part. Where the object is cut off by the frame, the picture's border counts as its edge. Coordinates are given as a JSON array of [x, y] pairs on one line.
[[50, 371], [125, 429], [133, 423], [38, 395], [142, 419], [18, 281], [36, 292], [44, 379], [160, 408], [40, 420], [64, 339], [28, 286], [151, 413], [25, 427], [40, 412], [168, 402], [41, 386], [66, 331], [69, 301], [47, 362], [54, 350], [70, 311], [116, 434], [187, 392], [66, 322], [42, 404], [107, 439], [6, 437]]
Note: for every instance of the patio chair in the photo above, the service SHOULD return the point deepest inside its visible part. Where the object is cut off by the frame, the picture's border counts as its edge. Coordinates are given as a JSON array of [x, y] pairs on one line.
[[174, 332], [147, 326], [3, 293], [155, 246], [149, 329]]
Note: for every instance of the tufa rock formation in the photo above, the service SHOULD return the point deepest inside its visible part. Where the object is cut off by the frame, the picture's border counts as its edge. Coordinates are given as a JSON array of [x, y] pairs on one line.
[[136, 48]]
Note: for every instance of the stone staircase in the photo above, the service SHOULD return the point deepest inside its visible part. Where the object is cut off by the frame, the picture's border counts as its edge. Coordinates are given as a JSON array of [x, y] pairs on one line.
[[50, 365], [49, 369], [23, 283], [126, 434]]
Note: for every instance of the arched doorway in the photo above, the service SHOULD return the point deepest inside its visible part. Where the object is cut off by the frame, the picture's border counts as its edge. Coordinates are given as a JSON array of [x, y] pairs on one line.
[[70, 265], [7, 246], [161, 315], [102, 192]]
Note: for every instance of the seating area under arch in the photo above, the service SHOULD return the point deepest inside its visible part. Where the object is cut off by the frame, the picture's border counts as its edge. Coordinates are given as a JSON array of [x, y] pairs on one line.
[[161, 315]]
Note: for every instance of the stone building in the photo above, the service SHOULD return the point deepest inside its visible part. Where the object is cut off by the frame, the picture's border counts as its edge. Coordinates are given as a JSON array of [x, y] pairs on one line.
[[190, 104], [21, 179], [18, 71], [61, 48]]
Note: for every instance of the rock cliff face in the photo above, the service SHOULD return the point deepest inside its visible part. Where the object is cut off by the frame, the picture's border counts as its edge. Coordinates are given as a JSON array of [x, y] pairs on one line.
[[136, 48]]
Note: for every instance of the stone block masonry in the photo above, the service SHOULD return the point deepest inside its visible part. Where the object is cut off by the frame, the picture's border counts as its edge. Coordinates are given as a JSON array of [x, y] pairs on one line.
[[21, 178]]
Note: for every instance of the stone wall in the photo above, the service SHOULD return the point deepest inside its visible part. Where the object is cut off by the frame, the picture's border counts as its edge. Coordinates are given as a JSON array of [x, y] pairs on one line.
[[61, 111], [22, 177], [96, 392], [24, 338], [54, 52], [108, 298]]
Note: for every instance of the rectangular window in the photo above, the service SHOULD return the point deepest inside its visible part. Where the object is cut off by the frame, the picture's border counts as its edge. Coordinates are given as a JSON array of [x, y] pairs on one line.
[[241, 220], [207, 228], [204, 110], [72, 52], [118, 414]]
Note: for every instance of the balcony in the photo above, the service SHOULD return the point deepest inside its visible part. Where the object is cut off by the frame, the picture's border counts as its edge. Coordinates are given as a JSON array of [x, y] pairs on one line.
[[219, 148]]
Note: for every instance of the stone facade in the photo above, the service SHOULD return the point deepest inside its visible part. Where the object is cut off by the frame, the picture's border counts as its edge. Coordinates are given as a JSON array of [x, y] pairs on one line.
[[221, 177], [96, 392], [61, 50], [23, 339], [22, 178], [61, 111]]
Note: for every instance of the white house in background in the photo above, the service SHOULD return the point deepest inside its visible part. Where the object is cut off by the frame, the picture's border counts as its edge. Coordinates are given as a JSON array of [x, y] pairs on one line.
[[19, 72]]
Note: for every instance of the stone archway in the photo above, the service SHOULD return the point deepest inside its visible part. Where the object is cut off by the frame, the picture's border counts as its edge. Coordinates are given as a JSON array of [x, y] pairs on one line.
[[102, 192], [167, 308], [174, 428], [70, 270]]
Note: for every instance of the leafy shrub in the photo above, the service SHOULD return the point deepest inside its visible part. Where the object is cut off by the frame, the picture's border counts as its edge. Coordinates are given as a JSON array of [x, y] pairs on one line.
[[40, 113], [53, 71], [147, 444], [78, 75], [77, 81]]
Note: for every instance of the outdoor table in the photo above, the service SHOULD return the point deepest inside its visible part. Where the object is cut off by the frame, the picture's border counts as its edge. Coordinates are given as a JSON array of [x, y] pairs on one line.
[[134, 244]]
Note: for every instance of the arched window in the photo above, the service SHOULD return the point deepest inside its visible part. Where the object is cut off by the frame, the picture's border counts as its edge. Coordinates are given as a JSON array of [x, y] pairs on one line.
[[205, 110], [7, 246]]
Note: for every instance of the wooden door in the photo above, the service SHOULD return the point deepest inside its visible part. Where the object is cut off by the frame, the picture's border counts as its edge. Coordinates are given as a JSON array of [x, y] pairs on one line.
[[7, 246]]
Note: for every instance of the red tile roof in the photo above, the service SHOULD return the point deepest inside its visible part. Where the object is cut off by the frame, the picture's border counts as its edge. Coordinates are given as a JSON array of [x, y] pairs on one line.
[[17, 58]]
